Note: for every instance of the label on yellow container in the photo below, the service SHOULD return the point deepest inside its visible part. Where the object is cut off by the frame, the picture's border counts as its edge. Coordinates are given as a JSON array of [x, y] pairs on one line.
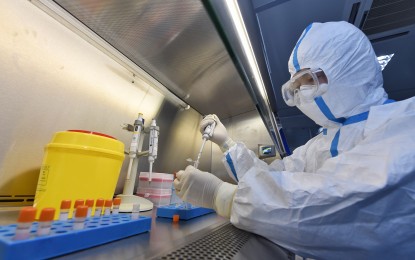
[[43, 178]]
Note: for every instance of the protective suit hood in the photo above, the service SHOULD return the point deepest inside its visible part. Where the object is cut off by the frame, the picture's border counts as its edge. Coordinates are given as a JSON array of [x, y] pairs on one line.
[[347, 58]]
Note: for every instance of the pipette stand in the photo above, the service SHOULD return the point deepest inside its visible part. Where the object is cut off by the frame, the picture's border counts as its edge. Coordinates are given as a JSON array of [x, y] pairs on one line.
[[127, 202], [128, 199], [63, 239], [184, 212]]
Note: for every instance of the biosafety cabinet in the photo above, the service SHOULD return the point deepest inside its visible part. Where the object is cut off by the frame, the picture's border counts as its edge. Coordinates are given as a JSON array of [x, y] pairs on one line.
[[96, 64]]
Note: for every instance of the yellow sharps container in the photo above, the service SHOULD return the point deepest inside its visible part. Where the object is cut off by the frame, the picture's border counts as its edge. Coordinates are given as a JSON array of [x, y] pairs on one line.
[[78, 164]]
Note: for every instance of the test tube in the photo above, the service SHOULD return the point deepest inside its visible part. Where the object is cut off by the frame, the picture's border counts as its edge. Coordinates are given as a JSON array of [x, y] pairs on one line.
[[90, 204], [64, 210], [116, 206], [24, 223], [78, 202], [107, 207], [45, 221], [135, 214], [98, 207], [80, 216]]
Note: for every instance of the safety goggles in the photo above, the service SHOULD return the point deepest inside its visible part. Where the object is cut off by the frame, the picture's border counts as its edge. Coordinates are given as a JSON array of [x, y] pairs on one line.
[[308, 81]]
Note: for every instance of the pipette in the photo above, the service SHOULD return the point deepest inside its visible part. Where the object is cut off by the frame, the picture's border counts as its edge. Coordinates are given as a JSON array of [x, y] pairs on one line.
[[138, 126], [153, 146], [207, 134]]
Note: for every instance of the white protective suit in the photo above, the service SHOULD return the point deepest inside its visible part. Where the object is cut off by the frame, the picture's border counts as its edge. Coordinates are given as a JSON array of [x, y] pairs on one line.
[[348, 193]]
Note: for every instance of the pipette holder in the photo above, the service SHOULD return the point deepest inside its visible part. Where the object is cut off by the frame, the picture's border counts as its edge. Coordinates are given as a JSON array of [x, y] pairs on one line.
[[128, 199]]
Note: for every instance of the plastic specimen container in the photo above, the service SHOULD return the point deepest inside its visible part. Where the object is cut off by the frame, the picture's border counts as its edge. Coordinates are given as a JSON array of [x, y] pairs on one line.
[[116, 202], [90, 204], [24, 223], [80, 217], [107, 207], [99, 204], [45, 221], [64, 209]]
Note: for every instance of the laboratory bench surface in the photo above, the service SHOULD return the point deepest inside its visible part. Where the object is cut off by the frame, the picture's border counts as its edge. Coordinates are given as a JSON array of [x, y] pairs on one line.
[[206, 237]]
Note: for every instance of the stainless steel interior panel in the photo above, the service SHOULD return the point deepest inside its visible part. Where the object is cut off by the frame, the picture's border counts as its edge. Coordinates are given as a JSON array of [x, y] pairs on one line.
[[176, 43]]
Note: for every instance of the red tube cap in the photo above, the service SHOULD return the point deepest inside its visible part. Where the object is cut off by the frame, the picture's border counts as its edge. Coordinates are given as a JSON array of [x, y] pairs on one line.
[[66, 204], [47, 214], [27, 214], [81, 211]]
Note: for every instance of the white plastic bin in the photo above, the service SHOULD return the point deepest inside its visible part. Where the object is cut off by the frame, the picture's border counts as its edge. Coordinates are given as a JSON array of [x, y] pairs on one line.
[[154, 191], [158, 190], [158, 180]]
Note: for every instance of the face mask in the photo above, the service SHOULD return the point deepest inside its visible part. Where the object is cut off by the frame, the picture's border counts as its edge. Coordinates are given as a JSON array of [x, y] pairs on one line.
[[305, 94], [311, 110]]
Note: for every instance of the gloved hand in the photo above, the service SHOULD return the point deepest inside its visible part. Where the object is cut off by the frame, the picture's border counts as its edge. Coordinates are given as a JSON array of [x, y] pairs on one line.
[[204, 189], [220, 135]]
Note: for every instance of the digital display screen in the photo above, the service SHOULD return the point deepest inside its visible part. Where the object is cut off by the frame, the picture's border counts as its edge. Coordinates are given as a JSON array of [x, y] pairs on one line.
[[265, 151]]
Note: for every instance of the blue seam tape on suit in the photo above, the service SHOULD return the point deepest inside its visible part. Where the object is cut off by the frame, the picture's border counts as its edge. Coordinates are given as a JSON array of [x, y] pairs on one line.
[[326, 110], [333, 149], [295, 59], [351, 120], [230, 163]]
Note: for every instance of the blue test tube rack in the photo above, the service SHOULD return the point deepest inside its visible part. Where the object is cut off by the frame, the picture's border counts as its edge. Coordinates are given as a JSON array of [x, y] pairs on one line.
[[63, 239], [184, 213]]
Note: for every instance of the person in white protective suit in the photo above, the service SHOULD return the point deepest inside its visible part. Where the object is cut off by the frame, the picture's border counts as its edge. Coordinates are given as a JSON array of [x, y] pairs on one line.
[[349, 192]]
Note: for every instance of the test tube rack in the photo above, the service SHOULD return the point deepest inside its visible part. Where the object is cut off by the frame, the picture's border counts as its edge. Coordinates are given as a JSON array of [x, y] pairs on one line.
[[184, 213], [63, 239]]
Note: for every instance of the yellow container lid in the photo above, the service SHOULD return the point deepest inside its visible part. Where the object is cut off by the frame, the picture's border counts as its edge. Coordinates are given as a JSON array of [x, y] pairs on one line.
[[87, 140]]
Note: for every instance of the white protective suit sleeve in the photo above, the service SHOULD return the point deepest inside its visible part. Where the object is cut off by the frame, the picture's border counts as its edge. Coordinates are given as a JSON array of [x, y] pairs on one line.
[[361, 202], [294, 162]]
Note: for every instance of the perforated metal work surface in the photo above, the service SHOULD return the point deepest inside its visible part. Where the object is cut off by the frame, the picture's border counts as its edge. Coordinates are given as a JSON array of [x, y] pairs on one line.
[[221, 243]]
